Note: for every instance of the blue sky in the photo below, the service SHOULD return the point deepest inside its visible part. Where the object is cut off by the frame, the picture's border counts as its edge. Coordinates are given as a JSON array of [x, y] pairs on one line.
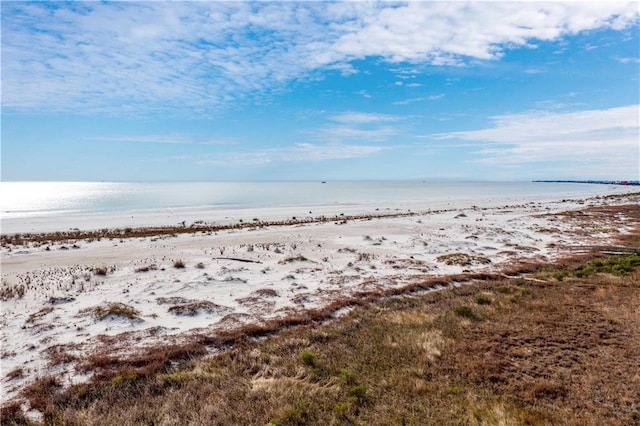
[[184, 91]]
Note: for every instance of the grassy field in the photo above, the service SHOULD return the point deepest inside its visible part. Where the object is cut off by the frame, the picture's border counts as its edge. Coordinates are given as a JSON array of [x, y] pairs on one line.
[[558, 345]]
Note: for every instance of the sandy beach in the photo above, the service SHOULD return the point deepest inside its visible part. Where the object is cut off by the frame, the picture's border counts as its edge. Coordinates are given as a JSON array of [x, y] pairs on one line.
[[67, 300]]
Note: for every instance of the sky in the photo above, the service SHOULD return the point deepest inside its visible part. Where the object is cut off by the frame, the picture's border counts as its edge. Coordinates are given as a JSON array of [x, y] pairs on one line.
[[262, 91]]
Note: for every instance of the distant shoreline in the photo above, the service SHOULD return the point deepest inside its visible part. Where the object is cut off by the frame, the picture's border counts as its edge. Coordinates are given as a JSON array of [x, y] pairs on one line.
[[603, 182]]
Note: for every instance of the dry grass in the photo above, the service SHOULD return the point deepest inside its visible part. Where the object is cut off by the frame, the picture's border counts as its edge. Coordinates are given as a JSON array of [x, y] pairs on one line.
[[541, 352], [195, 308], [147, 268], [113, 310], [463, 259], [61, 237]]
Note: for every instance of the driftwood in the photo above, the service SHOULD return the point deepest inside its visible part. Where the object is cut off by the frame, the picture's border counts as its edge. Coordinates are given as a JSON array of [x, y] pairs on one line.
[[237, 259]]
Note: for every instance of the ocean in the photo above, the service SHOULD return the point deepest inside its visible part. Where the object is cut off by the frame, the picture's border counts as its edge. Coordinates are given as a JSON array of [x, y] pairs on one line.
[[35, 199]]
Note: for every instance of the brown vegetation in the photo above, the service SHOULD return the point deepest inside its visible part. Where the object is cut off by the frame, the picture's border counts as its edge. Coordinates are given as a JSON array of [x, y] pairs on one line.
[[143, 232], [463, 259], [113, 310], [510, 351]]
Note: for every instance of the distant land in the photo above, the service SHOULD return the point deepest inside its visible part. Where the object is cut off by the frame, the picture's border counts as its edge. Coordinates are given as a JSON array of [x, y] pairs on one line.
[[606, 182]]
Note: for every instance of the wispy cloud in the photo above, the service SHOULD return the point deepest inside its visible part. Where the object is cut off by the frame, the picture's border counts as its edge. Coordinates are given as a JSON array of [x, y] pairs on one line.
[[185, 58], [363, 93], [408, 101], [420, 99], [355, 126], [346, 133], [627, 60], [352, 117], [301, 152], [174, 138], [534, 71], [606, 139]]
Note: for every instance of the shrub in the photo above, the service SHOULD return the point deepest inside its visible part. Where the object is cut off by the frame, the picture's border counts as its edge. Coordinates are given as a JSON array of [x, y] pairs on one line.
[[483, 299], [348, 377], [100, 271], [299, 258], [466, 312], [359, 394], [585, 270], [309, 358], [117, 310], [178, 264], [560, 276]]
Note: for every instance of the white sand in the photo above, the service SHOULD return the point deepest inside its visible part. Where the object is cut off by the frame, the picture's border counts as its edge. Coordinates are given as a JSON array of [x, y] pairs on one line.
[[56, 315]]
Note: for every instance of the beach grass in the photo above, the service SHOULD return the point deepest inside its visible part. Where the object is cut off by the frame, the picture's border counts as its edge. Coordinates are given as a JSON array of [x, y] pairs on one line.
[[540, 351]]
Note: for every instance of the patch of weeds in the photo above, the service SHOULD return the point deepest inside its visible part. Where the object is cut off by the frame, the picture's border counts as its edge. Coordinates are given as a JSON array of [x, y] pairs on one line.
[[309, 359], [620, 265], [179, 264], [200, 265], [454, 390], [359, 394], [39, 392], [101, 271], [483, 299], [299, 258], [148, 268], [176, 379], [463, 259], [584, 271], [548, 230], [120, 310], [195, 307], [12, 414], [119, 379], [14, 374], [347, 377], [466, 312], [560, 275], [616, 265], [297, 415], [365, 257], [504, 289], [341, 411], [520, 281]]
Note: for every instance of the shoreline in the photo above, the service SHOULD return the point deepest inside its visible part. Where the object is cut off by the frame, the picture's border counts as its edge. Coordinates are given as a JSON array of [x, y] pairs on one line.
[[221, 215], [106, 297]]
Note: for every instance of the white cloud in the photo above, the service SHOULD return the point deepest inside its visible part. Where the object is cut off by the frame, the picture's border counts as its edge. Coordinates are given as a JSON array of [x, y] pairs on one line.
[[356, 126], [342, 133], [353, 117], [408, 101], [627, 60], [363, 93], [301, 152], [186, 58], [174, 138], [442, 32], [607, 140]]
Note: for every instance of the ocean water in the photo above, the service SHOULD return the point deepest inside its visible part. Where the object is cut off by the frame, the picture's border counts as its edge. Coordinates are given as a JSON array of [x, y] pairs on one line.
[[33, 199]]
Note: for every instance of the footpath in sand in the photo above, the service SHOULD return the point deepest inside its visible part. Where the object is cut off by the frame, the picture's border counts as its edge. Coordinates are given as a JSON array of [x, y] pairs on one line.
[[66, 300]]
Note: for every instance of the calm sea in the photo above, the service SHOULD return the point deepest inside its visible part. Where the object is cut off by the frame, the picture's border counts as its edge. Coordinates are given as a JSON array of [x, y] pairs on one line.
[[29, 199]]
